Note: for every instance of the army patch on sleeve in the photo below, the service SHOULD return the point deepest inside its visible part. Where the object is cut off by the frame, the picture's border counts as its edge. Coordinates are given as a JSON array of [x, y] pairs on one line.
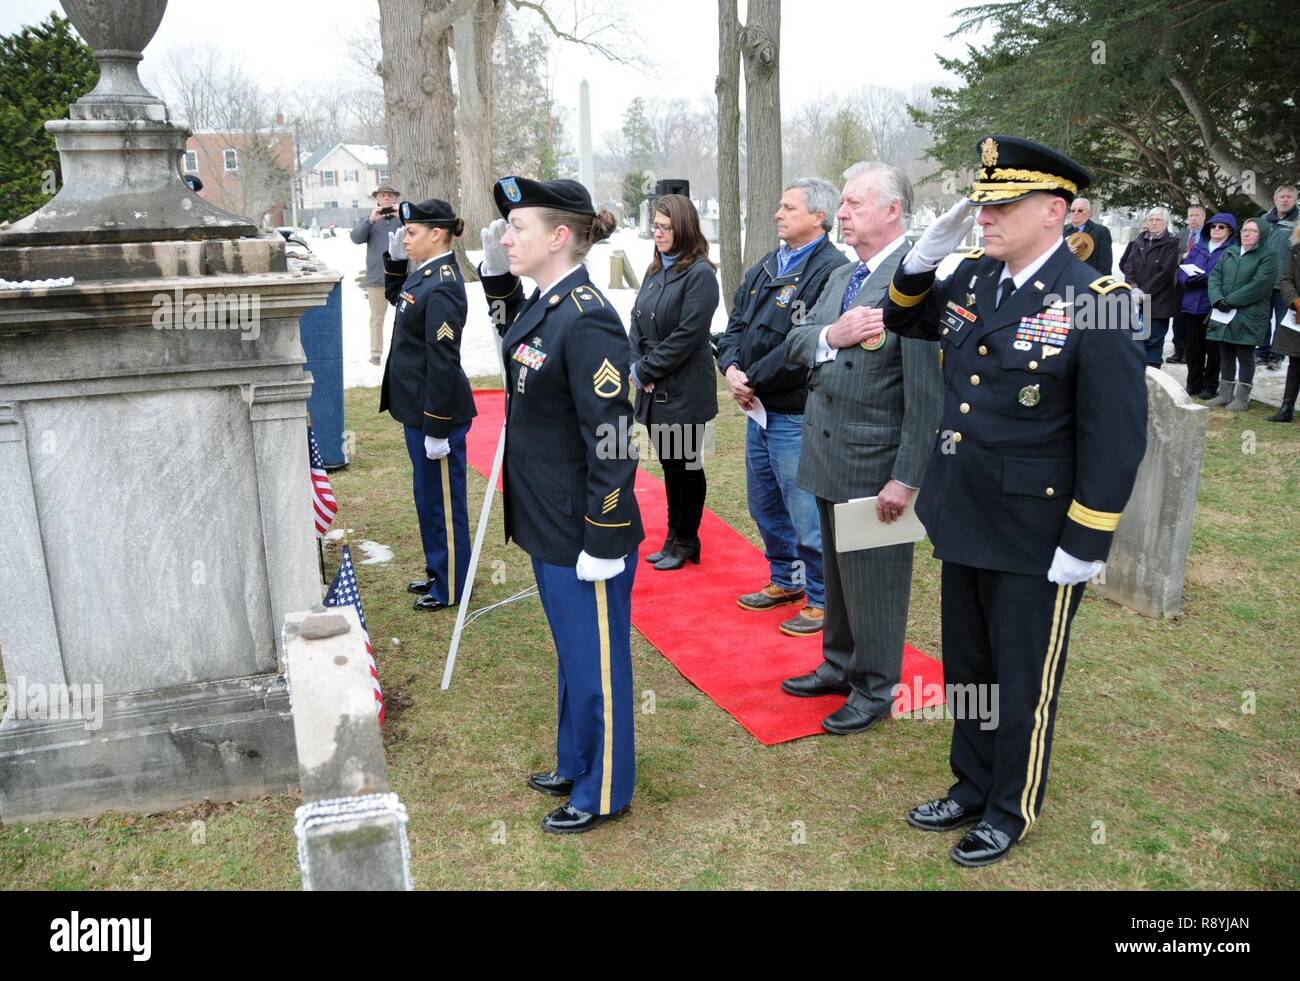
[[445, 333], [607, 382], [611, 501]]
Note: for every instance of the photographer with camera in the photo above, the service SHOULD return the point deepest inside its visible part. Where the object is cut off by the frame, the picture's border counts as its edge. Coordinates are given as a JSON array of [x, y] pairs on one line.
[[372, 232]]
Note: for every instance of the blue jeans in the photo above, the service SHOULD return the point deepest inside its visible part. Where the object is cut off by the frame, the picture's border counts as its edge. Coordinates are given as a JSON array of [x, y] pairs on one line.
[[786, 514], [1155, 343]]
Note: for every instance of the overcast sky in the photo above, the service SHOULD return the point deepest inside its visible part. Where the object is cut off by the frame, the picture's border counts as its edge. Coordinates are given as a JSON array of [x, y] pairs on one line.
[[827, 46]]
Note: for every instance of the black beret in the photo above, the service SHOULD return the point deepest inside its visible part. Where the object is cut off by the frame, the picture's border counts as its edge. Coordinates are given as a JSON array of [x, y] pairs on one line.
[[1014, 168], [520, 192], [432, 212]]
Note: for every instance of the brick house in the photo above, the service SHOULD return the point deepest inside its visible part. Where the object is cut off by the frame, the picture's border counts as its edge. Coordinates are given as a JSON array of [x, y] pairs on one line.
[[244, 172]]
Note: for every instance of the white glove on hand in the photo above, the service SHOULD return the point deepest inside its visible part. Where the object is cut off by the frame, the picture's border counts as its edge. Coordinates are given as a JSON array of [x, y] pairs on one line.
[[1066, 570], [941, 238], [592, 569], [435, 448], [397, 244], [495, 260]]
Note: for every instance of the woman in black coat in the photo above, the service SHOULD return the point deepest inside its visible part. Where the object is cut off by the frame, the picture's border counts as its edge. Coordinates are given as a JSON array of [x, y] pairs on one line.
[[1150, 263], [672, 368]]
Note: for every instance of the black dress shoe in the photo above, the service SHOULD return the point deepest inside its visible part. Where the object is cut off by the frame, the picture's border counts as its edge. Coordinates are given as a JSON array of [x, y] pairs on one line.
[[850, 720], [419, 586], [654, 557], [941, 815], [811, 686], [428, 603], [981, 845], [551, 783], [681, 553], [568, 820]]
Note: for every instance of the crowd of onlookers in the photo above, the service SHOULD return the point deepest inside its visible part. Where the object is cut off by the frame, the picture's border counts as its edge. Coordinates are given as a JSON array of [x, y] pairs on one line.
[[1231, 292]]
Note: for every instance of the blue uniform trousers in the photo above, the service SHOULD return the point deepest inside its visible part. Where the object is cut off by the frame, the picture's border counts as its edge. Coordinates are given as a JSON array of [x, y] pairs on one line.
[[439, 487], [591, 623]]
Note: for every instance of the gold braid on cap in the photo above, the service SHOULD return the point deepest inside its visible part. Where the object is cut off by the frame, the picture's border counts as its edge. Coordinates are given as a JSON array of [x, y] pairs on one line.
[[1006, 182]]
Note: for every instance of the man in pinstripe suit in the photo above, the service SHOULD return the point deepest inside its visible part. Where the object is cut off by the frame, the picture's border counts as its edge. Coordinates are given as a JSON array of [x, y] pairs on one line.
[[869, 426]]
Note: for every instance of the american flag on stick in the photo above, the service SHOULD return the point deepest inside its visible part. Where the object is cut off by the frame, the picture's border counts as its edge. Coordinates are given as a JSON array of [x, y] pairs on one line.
[[343, 592], [324, 506]]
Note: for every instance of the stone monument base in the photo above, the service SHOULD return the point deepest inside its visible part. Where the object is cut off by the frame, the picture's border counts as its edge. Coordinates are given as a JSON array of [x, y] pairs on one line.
[[156, 751]]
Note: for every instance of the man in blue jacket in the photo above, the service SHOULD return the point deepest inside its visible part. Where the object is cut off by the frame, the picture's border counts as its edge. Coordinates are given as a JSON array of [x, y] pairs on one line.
[[775, 295]]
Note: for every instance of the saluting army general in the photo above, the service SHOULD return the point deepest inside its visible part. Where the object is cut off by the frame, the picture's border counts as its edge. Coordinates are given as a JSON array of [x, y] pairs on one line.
[[426, 390], [569, 484], [1043, 428]]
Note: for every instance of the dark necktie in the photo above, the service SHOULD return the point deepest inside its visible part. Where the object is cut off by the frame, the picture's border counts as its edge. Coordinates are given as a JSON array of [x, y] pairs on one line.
[[1005, 289], [855, 284]]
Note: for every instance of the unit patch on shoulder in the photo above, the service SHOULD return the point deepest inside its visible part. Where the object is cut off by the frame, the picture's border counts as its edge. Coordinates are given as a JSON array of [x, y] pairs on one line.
[[607, 382], [1107, 284]]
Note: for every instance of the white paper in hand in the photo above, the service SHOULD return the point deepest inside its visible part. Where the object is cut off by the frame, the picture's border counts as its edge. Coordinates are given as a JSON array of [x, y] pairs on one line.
[[1191, 268], [857, 526], [1289, 321], [1223, 316], [757, 413]]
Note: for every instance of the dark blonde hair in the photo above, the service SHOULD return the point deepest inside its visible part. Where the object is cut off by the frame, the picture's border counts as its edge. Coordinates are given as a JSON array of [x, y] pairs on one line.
[[585, 230], [688, 240]]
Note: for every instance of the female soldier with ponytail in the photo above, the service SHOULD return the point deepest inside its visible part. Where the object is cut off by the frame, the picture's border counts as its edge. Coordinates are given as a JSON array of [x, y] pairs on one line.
[[426, 390], [569, 479]]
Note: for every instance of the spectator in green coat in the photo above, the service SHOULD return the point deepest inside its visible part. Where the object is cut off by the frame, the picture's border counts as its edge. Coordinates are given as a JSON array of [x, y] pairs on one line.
[[1241, 295]]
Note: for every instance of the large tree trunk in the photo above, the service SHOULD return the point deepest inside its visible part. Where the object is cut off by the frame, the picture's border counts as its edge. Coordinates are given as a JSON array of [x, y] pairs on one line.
[[761, 48], [1218, 149], [727, 88], [474, 32], [420, 102]]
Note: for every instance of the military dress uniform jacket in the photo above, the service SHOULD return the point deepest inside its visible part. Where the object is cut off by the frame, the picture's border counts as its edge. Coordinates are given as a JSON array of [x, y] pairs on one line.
[[763, 310], [1044, 416], [570, 471], [424, 384]]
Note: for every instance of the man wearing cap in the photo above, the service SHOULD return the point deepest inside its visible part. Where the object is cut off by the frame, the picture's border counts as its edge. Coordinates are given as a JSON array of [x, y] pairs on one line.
[[569, 477], [425, 389], [372, 232], [1043, 428]]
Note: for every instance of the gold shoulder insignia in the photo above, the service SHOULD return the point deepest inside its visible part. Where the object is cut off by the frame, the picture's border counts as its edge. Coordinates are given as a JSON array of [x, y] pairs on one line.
[[428, 273], [607, 382], [584, 296], [446, 272], [971, 253], [1108, 284]]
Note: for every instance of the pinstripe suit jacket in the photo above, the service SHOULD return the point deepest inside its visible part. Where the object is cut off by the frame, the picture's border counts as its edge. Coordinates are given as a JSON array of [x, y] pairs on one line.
[[871, 415]]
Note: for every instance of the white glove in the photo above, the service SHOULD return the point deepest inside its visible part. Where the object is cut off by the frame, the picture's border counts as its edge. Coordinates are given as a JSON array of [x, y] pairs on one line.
[[435, 448], [1066, 570], [397, 244], [592, 569], [495, 260], [944, 235]]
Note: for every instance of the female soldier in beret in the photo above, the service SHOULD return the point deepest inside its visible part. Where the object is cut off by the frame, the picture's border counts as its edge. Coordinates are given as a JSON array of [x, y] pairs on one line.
[[426, 390], [569, 480]]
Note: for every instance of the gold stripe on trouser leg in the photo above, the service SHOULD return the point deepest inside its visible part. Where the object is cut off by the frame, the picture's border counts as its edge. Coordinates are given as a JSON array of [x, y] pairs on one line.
[[607, 698], [451, 529], [1051, 693], [1037, 738]]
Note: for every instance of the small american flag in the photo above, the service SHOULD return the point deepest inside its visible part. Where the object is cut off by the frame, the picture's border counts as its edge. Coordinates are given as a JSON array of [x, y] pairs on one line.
[[323, 504], [343, 592]]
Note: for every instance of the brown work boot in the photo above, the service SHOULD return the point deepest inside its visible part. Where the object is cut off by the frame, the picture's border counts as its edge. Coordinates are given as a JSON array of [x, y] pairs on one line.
[[770, 597], [805, 623]]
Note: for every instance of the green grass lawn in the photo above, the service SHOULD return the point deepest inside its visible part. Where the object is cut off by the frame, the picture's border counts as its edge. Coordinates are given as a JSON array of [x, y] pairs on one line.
[[1159, 780]]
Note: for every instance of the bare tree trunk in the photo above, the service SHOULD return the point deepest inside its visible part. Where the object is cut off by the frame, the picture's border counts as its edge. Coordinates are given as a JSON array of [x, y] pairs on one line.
[[727, 88], [421, 104], [761, 48], [473, 33], [1218, 149]]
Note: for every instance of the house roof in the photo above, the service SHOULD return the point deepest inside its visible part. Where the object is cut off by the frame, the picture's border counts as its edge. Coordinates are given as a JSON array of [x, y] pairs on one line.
[[368, 156]]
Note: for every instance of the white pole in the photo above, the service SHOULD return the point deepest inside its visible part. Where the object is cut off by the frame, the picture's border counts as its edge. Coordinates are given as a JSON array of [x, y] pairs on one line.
[[483, 516]]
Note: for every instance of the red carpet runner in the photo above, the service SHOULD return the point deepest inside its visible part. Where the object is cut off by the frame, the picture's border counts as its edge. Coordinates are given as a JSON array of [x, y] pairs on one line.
[[736, 657]]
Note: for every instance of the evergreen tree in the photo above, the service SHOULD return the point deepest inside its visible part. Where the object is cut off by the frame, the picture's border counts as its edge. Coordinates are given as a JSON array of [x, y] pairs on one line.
[[43, 69]]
